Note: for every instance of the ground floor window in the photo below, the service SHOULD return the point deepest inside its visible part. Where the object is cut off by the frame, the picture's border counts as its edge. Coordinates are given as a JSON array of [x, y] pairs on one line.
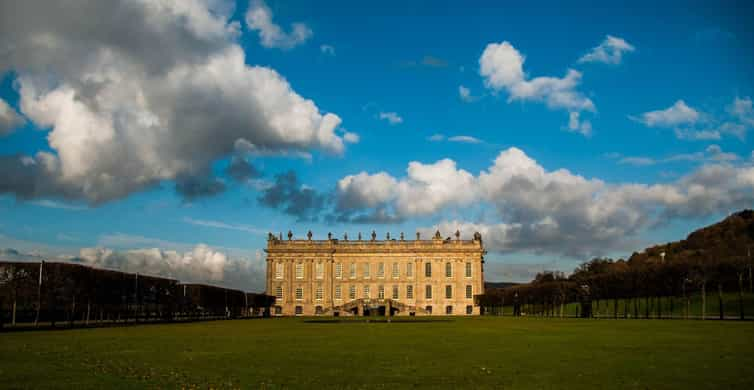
[[395, 292], [337, 292], [428, 309], [352, 292], [409, 292], [299, 310], [278, 310], [469, 309], [318, 310], [381, 292], [448, 309]]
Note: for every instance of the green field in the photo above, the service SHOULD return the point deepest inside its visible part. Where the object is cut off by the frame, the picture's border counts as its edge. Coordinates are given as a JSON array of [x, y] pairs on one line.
[[480, 352]]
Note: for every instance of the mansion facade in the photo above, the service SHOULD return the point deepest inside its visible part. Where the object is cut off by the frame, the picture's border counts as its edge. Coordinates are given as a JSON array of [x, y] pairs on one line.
[[437, 276]]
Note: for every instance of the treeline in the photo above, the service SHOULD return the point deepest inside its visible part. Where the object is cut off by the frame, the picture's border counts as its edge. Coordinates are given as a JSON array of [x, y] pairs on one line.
[[74, 294], [711, 261]]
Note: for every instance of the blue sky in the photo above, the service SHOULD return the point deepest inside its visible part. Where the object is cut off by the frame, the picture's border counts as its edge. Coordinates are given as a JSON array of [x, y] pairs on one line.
[[661, 140]]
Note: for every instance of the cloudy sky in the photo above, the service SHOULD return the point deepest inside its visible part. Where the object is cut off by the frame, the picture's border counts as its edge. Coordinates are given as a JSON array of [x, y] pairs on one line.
[[169, 136]]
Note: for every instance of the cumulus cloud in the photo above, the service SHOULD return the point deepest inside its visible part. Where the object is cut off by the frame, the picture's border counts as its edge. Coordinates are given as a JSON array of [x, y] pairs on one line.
[[291, 197], [241, 169], [691, 124], [610, 51], [426, 189], [9, 118], [676, 115], [502, 67], [391, 117], [202, 264], [149, 93], [742, 109], [259, 18], [579, 126], [553, 212]]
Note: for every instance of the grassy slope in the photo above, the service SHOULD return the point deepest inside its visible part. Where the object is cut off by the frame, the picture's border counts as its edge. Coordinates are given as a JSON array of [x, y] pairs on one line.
[[464, 352]]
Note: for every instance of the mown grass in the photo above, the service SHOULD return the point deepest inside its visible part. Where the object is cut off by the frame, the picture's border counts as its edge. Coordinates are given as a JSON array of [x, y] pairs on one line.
[[478, 352]]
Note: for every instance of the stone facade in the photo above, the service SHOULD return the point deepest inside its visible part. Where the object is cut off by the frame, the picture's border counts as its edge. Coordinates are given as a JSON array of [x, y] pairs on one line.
[[438, 276]]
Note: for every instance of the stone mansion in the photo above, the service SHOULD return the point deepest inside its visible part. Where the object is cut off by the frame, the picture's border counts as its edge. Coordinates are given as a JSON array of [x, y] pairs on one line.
[[437, 276]]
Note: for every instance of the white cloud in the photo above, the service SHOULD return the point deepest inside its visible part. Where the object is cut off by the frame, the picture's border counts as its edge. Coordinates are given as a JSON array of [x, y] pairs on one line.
[[392, 117], [259, 18], [465, 94], [555, 212], [436, 137], [697, 135], [327, 49], [501, 66], [742, 109], [584, 127], [351, 138], [224, 225], [637, 161], [156, 94], [202, 264], [9, 119], [466, 139], [610, 51], [676, 115], [57, 205]]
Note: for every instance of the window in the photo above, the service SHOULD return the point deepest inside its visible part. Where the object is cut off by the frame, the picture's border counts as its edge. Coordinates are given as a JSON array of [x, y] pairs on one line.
[[469, 291], [366, 291], [448, 270], [469, 309], [318, 293], [352, 270], [395, 292], [299, 310], [319, 270], [428, 292], [381, 292], [381, 270], [409, 292], [279, 270], [339, 271], [299, 270], [366, 271], [337, 292], [428, 309], [299, 293], [448, 291], [448, 309], [468, 270], [278, 310], [318, 310], [279, 292], [396, 271], [410, 270], [352, 292], [427, 269]]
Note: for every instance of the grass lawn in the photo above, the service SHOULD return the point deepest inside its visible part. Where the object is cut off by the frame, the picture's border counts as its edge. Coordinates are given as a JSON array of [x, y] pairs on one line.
[[481, 352]]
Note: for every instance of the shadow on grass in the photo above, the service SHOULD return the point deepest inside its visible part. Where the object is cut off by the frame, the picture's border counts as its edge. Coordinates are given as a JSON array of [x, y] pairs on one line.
[[373, 320]]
